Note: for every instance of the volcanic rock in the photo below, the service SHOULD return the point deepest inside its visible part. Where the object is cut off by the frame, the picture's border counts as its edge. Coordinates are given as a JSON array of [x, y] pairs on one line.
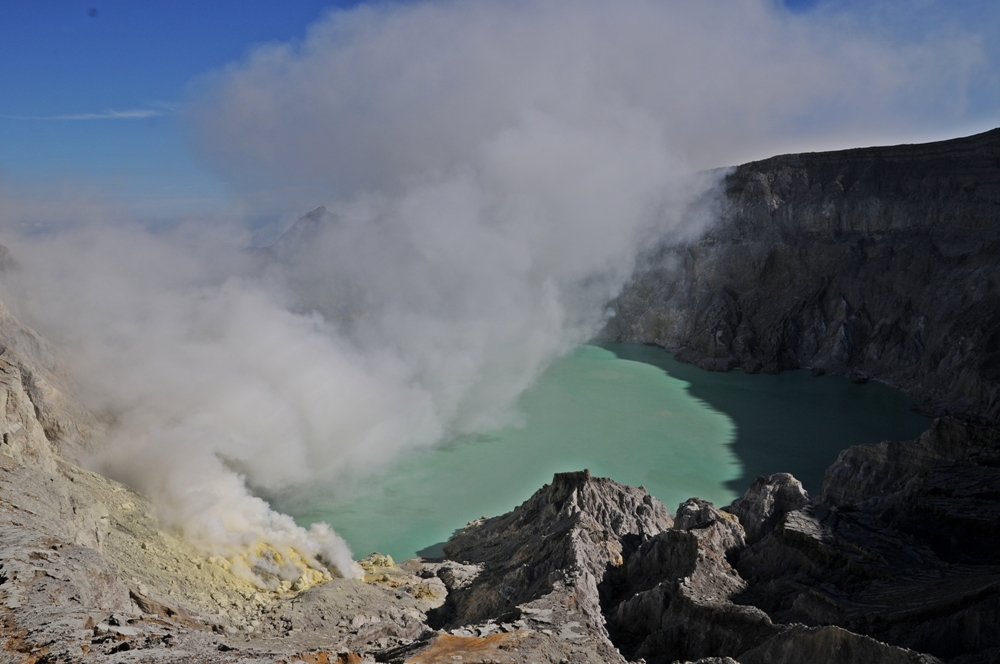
[[541, 563], [764, 504], [876, 263]]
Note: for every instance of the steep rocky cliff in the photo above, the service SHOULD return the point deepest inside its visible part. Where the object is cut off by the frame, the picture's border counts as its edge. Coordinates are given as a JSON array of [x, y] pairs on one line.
[[880, 263]]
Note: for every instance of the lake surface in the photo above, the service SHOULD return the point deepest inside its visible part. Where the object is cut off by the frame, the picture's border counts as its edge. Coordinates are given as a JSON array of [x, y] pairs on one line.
[[627, 412]]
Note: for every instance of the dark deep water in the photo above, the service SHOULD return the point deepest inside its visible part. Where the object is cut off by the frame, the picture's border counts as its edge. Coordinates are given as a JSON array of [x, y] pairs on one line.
[[791, 422]]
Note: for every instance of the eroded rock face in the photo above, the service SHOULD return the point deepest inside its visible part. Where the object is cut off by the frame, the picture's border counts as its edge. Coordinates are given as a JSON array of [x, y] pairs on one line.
[[878, 262], [675, 592], [901, 545], [541, 563], [941, 488], [39, 419], [832, 645], [38, 423], [766, 502], [22, 436]]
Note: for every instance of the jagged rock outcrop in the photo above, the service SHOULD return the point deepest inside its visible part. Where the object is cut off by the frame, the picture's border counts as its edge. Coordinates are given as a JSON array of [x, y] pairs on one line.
[[576, 525], [676, 600], [38, 421], [522, 586], [542, 563], [879, 262], [891, 549], [941, 488], [766, 502]]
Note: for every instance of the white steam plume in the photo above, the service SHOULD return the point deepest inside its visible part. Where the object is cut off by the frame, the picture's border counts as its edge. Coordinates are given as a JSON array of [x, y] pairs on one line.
[[378, 96], [490, 171]]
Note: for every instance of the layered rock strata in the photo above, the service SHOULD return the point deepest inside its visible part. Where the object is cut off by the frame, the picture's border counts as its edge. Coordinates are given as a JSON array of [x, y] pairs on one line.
[[878, 263], [900, 546]]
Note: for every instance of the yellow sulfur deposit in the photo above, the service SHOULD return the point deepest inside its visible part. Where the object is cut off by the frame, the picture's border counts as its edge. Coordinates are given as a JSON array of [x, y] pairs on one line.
[[275, 568]]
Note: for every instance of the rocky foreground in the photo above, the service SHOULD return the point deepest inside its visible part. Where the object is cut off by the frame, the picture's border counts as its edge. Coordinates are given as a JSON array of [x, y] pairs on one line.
[[897, 560]]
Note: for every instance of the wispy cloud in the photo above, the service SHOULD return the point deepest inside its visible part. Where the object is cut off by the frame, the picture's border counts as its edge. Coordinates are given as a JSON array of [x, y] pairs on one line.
[[131, 114]]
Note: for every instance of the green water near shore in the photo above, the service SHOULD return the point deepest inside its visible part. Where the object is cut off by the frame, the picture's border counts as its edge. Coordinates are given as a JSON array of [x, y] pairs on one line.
[[627, 412]]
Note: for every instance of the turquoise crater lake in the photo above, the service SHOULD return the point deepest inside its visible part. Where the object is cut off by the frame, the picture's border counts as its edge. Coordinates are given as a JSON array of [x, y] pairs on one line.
[[627, 412]]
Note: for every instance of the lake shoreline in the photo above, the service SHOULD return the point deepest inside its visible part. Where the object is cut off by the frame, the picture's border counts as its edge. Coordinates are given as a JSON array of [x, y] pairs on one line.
[[603, 408]]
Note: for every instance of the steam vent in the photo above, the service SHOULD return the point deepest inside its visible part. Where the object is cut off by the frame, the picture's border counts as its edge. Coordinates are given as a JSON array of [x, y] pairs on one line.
[[880, 264]]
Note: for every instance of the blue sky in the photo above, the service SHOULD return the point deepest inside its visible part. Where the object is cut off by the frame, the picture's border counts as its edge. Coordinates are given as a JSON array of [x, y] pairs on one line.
[[64, 65], [92, 93]]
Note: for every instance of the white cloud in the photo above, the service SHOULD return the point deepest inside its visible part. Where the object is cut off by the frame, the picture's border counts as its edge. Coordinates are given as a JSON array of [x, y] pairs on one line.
[[376, 95], [132, 114]]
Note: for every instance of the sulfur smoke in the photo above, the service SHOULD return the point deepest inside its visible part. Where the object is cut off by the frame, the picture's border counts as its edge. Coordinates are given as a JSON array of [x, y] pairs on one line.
[[489, 172]]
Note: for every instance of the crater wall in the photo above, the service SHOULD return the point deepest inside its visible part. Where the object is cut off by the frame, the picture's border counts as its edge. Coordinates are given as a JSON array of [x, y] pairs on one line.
[[880, 263]]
